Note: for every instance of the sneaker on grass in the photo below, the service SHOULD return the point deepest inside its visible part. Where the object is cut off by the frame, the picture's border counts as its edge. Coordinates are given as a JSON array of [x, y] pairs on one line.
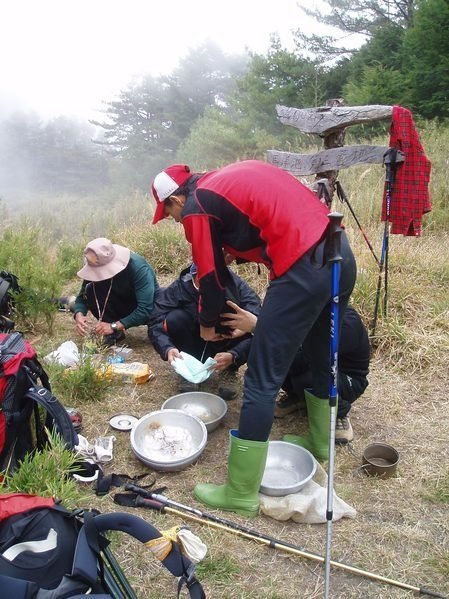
[[228, 384], [286, 404], [343, 431]]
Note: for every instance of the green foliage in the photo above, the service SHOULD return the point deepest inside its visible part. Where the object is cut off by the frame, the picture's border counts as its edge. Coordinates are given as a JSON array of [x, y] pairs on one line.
[[365, 16], [205, 78], [152, 116], [87, 382], [164, 246], [375, 75], [214, 108], [26, 251], [69, 258], [234, 138], [440, 563], [280, 77], [46, 473], [378, 85], [426, 59]]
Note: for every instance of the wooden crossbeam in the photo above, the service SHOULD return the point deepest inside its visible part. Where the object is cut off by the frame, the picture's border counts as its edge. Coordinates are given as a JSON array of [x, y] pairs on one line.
[[327, 119], [329, 160]]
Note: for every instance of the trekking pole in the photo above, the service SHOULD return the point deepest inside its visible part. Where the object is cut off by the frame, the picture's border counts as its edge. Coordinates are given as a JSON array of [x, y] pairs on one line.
[[344, 200], [334, 259], [160, 503], [389, 161]]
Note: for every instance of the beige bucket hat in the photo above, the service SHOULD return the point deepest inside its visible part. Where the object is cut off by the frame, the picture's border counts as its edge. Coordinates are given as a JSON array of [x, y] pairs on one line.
[[103, 260]]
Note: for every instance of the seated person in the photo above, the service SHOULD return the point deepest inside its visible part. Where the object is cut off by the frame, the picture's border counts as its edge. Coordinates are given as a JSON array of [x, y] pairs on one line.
[[353, 368], [174, 326], [118, 289]]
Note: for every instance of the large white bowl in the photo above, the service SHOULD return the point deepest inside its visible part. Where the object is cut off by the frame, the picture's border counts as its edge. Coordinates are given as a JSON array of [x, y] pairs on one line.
[[209, 408], [168, 440], [288, 469]]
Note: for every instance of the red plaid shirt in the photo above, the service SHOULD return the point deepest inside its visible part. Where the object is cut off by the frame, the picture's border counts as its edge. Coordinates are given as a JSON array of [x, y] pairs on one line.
[[409, 198]]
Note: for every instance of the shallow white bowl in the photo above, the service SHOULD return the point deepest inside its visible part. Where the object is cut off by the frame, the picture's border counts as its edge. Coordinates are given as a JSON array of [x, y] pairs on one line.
[[288, 469], [209, 408], [168, 440]]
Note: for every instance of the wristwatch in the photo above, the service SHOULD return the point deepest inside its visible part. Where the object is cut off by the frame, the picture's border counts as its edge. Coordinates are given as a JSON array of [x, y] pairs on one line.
[[114, 327]]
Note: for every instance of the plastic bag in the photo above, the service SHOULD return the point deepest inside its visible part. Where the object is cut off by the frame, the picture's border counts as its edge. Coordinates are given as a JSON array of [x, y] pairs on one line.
[[192, 369], [67, 354]]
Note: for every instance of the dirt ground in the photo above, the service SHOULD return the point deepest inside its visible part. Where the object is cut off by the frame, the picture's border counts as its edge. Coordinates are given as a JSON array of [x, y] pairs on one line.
[[398, 533]]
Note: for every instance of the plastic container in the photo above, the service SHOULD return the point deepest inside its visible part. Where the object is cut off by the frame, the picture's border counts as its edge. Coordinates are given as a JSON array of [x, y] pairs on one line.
[[116, 360]]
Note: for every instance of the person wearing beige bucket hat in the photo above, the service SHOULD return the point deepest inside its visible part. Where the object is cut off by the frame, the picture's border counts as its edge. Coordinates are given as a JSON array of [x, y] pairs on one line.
[[118, 289]]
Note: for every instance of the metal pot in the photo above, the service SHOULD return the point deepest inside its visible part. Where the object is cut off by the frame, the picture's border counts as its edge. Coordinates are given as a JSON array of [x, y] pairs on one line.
[[209, 408], [380, 459], [168, 440], [288, 469]]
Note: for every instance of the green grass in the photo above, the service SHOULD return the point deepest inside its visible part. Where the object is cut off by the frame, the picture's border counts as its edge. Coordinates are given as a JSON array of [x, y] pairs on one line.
[[222, 568], [47, 473], [439, 492], [26, 251]]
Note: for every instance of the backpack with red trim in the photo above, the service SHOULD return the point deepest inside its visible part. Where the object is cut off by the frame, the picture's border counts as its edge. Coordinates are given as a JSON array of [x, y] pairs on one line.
[[28, 409]]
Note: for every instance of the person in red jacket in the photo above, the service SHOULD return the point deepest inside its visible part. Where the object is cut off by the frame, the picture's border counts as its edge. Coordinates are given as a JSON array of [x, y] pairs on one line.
[[257, 212]]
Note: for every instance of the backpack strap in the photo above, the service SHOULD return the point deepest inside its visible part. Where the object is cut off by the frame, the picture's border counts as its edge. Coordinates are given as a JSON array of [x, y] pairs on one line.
[[85, 559], [62, 420]]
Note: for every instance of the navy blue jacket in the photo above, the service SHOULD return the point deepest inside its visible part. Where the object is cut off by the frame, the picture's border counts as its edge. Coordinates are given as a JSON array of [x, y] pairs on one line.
[[181, 294]]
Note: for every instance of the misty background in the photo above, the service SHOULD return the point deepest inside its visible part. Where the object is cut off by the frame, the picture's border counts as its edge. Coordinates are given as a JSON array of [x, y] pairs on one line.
[[81, 175]]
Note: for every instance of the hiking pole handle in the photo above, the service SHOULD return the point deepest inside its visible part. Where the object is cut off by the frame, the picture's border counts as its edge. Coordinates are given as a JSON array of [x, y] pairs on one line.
[[149, 503], [138, 490], [334, 237]]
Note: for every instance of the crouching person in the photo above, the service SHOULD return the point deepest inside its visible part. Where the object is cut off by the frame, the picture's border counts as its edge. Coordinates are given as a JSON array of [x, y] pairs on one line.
[[118, 289], [174, 327], [353, 369]]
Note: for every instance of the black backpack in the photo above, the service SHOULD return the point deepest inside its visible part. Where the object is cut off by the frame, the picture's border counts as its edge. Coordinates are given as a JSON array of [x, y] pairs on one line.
[[48, 552], [9, 285], [27, 406]]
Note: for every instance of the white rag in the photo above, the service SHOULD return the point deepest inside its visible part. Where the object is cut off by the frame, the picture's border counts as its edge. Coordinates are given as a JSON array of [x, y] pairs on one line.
[[99, 451], [192, 369], [309, 505]]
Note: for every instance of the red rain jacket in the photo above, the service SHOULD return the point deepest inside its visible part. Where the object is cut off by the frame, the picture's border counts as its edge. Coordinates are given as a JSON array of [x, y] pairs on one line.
[[256, 212]]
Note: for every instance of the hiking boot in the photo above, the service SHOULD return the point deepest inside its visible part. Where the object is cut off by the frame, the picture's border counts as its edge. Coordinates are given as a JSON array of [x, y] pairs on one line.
[[113, 338], [228, 385], [186, 387], [343, 431], [285, 404]]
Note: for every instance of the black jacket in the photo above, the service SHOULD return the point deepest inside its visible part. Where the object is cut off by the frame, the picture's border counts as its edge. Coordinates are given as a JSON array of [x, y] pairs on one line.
[[181, 294]]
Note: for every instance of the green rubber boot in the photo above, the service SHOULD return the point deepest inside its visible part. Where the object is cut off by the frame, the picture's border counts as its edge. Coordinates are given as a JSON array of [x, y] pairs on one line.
[[240, 494], [317, 441]]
